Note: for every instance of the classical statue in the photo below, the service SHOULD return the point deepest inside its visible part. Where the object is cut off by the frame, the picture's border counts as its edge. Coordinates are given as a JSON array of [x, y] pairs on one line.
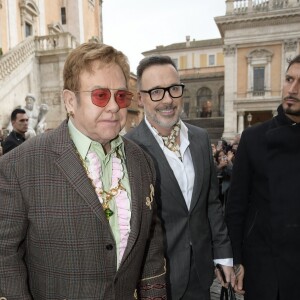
[[36, 114]]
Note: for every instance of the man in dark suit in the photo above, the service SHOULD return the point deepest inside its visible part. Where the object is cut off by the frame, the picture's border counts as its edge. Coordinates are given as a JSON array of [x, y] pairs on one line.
[[78, 217], [263, 207], [19, 121], [187, 186]]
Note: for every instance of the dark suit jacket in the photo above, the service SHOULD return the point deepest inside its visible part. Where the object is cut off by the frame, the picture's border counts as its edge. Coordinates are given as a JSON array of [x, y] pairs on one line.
[[13, 140], [263, 209], [55, 240], [202, 225]]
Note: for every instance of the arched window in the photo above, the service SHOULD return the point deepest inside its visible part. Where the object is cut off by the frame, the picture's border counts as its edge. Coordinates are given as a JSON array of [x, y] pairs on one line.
[[203, 95]]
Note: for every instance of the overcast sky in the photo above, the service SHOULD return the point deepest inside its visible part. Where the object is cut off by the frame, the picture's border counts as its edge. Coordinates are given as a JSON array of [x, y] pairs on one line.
[[135, 26]]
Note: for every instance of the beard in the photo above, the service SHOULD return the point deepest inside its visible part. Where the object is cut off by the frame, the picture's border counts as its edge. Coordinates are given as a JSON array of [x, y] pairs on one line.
[[289, 109], [163, 122]]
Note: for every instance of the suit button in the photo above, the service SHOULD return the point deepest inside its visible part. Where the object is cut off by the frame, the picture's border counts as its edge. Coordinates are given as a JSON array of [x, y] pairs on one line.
[[109, 247]]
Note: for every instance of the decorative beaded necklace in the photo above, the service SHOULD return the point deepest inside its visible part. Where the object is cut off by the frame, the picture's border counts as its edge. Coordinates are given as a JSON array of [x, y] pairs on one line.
[[93, 172]]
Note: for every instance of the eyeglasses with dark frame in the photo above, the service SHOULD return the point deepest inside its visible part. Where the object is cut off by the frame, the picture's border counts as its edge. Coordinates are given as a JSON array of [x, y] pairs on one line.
[[101, 96], [157, 94]]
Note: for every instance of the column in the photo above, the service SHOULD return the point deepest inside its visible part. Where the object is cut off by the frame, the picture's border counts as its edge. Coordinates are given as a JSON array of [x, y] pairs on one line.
[[241, 122], [230, 84]]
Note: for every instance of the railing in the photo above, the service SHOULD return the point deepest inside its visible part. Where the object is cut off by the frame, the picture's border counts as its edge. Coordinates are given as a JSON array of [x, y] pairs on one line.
[[11, 60], [54, 42], [250, 6], [40, 45], [258, 93]]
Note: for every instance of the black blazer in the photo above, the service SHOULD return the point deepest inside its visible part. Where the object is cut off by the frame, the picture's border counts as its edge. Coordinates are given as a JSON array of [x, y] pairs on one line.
[[202, 226], [13, 140], [263, 209]]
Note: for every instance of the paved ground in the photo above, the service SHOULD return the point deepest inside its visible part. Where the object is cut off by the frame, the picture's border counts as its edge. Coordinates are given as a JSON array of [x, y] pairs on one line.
[[216, 289]]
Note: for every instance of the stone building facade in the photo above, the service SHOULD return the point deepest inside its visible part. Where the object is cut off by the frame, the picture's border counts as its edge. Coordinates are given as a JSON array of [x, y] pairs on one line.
[[35, 38], [241, 73], [201, 68], [260, 37]]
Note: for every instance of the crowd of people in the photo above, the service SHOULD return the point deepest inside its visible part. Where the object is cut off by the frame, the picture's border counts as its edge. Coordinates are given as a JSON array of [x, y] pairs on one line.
[[224, 154], [87, 213]]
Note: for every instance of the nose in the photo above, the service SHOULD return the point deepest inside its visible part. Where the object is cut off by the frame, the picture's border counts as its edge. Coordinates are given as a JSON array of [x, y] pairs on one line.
[[112, 105], [167, 97], [294, 87]]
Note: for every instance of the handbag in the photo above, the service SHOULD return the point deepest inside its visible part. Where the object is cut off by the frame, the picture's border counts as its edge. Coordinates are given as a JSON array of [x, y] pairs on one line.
[[226, 293]]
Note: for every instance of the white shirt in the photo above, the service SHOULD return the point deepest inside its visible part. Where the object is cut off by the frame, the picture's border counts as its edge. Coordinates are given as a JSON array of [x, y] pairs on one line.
[[183, 170]]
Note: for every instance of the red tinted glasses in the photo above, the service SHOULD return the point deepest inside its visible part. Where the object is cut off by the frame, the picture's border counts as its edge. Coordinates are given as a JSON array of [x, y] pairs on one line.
[[100, 97]]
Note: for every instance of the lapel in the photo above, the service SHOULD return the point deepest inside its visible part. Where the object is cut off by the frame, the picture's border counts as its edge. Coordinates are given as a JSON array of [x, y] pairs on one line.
[[196, 148], [166, 174], [71, 167]]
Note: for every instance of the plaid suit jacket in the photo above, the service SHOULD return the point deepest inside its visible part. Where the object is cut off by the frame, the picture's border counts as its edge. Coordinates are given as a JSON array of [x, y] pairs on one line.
[[55, 242]]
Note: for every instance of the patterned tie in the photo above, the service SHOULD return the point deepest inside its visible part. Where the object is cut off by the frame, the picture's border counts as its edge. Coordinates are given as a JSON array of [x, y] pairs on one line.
[[170, 141]]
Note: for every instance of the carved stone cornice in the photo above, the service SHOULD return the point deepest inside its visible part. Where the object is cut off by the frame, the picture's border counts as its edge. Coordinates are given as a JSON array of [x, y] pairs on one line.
[[257, 20], [290, 45]]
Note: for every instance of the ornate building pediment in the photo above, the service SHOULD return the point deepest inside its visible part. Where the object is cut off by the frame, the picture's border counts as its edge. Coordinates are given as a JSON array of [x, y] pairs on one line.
[[29, 10], [259, 54], [55, 28]]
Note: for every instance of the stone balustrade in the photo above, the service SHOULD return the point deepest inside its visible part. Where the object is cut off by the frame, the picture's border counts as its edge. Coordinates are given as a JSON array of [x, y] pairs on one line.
[[39, 45], [60, 41], [249, 6], [11, 60]]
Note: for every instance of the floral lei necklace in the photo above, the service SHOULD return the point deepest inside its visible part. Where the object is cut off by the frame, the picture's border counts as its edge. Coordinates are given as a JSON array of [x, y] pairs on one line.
[[117, 191], [94, 169]]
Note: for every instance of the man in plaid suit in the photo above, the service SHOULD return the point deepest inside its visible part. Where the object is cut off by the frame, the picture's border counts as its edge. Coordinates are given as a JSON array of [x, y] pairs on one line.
[[78, 217]]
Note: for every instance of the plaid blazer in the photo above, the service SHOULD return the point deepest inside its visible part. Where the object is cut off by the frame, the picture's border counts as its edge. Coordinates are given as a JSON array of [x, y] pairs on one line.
[[55, 241]]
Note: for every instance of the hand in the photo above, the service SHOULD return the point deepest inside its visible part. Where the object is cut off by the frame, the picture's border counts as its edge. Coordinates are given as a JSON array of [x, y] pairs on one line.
[[239, 274], [230, 155], [229, 276]]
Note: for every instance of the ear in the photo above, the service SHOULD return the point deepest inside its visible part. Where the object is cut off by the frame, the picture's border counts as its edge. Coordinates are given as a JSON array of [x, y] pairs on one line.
[[69, 100], [140, 101]]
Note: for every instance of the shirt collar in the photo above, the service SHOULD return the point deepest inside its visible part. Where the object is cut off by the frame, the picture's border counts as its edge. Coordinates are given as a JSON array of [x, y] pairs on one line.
[[83, 143], [184, 138]]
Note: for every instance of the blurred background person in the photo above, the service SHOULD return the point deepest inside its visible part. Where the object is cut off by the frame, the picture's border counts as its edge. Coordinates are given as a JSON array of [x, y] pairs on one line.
[[19, 121]]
